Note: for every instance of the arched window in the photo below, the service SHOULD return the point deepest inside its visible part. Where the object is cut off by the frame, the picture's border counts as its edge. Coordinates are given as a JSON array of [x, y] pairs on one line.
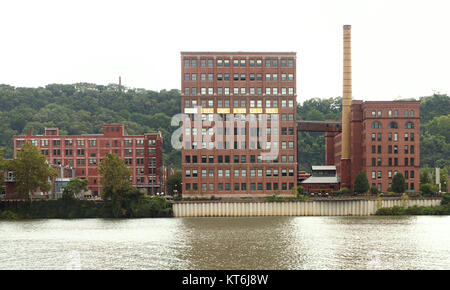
[[411, 114], [376, 125], [393, 125], [409, 125]]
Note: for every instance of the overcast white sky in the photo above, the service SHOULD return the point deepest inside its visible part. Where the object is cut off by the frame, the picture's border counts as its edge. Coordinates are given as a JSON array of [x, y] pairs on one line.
[[400, 47]]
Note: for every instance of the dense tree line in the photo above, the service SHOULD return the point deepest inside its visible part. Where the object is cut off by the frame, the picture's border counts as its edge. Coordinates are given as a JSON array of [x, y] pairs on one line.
[[83, 108]]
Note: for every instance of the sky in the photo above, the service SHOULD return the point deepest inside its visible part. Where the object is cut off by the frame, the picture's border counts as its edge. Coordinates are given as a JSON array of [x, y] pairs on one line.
[[400, 48]]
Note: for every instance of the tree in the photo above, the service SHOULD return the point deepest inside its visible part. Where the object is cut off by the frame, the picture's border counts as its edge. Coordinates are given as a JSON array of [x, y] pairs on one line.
[[2, 171], [300, 190], [116, 185], [115, 176], [398, 183], [361, 184], [374, 190], [31, 170], [74, 187], [425, 176], [173, 184], [428, 189]]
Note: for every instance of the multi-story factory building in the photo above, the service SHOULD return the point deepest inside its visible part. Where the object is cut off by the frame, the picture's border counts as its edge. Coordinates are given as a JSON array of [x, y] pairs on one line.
[[240, 138], [142, 154], [385, 140]]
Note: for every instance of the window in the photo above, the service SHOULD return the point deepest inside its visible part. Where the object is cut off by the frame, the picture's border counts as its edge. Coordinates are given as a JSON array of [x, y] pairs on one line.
[[376, 125], [393, 125], [409, 125]]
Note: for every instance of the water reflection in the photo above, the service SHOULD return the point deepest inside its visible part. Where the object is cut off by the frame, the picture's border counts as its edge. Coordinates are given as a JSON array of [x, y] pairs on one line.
[[228, 243]]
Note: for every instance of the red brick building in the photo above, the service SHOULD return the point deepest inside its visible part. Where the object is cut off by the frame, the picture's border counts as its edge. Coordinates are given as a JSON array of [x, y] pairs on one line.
[[142, 154], [385, 139], [232, 100]]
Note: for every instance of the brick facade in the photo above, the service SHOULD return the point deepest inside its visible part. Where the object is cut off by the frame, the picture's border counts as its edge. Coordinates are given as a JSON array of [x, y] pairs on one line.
[[385, 139], [216, 86], [142, 154]]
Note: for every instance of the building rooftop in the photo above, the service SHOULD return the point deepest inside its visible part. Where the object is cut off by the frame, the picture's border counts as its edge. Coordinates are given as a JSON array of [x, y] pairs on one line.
[[290, 53], [321, 179], [323, 167]]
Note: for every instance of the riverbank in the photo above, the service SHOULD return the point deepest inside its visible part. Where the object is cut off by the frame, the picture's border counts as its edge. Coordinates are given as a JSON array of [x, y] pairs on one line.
[[442, 209], [71, 209], [310, 207]]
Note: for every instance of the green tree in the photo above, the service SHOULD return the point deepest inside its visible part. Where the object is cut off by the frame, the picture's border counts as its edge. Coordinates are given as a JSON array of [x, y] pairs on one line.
[[300, 190], [115, 176], [425, 176], [173, 183], [116, 184], [374, 190], [428, 189], [31, 171], [361, 184], [74, 187], [2, 171], [398, 183]]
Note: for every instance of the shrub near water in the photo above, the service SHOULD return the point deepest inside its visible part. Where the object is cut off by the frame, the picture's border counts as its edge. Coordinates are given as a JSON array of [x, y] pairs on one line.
[[443, 209], [147, 207]]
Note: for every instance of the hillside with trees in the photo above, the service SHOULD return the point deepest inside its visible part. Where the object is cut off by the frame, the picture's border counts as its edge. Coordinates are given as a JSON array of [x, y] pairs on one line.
[[83, 108]]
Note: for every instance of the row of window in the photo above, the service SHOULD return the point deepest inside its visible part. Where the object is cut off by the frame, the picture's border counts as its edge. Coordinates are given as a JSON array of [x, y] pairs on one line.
[[408, 149], [392, 125], [224, 159], [408, 186], [239, 91], [141, 180], [140, 161], [240, 77], [240, 118], [379, 114], [256, 145], [240, 62], [81, 152], [240, 146], [189, 187], [239, 103], [392, 136], [378, 175], [81, 142], [239, 172], [393, 161], [253, 132], [93, 161]]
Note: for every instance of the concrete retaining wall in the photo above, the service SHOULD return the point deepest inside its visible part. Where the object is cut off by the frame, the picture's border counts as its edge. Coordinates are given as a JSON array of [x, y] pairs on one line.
[[302, 208]]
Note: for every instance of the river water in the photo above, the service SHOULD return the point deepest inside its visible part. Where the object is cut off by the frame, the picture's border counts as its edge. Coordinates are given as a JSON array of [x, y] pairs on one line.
[[420, 242]]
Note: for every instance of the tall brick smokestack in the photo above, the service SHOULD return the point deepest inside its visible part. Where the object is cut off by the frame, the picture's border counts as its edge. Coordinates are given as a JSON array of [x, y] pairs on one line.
[[346, 113]]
